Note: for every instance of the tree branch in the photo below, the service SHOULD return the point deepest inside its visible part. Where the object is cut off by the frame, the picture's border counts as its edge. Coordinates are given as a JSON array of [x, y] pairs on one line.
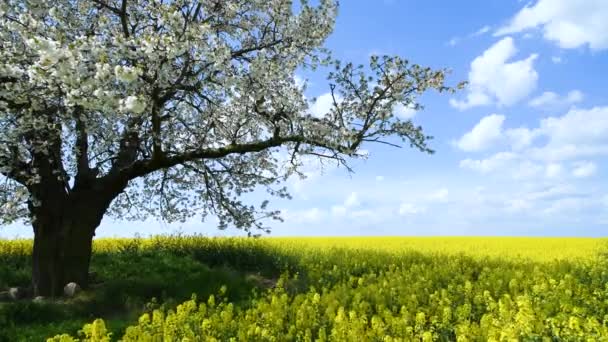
[[142, 167], [17, 171], [124, 18], [81, 149]]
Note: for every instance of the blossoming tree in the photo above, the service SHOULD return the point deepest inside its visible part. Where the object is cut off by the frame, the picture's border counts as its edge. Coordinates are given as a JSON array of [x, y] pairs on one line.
[[173, 108]]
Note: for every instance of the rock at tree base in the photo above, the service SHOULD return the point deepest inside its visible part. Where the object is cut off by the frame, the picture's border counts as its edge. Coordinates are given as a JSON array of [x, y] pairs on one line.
[[15, 293], [71, 289], [38, 299]]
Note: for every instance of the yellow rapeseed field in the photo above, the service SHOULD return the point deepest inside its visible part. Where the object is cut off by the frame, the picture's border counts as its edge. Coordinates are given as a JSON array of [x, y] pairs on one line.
[[537, 249], [383, 289]]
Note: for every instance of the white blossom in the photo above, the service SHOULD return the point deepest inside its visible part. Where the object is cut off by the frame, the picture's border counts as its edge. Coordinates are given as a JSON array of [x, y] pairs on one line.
[[133, 104], [166, 101], [47, 49], [103, 71], [126, 74]]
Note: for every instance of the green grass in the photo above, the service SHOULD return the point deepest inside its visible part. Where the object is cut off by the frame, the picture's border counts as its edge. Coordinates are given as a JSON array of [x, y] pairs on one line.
[[130, 278]]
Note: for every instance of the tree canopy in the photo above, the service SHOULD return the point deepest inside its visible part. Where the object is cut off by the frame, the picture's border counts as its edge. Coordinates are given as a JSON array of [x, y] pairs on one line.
[[176, 108]]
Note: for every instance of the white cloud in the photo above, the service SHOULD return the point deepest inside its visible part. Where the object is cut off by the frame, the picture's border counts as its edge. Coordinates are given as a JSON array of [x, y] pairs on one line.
[[578, 126], [534, 176], [553, 170], [555, 202], [552, 100], [518, 205], [406, 209], [543, 200], [493, 79], [440, 195], [363, 153], [523, 200], [474, 98], [578, 134], [481, 31], [521, 137], [352, 200], [338, 210], [323, 105], [575, 96], [544, 99], [300, 82], [552, 193], [556, 59], [486, 132], [364, 214], [569, 23], [311, 167], [567, 152], [403, 112], [566, 137], [456, 40], [489, 131], [584, 169], [526, 169], [516, 166], [490, 164], [312, 215], [564, 205], [453, 41], [527, 35]]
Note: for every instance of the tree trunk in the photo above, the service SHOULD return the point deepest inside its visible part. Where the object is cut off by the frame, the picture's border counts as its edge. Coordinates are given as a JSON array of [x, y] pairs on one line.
[[64, 225], [63, 238], [62, 253]]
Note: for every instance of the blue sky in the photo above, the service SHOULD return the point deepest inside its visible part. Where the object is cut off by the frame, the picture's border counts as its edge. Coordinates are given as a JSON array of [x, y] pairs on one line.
[[521, 151]]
